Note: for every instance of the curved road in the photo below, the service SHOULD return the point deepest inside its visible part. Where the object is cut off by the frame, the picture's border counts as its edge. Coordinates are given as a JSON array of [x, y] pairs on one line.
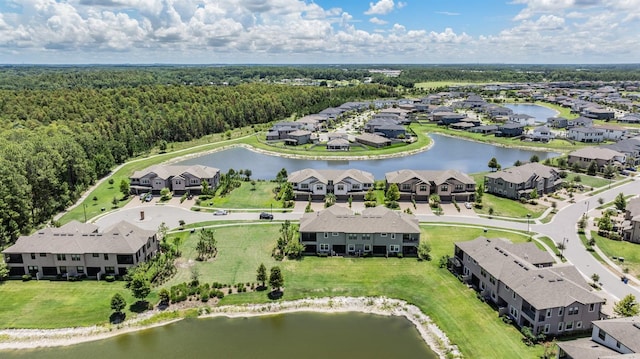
[[562, 226]]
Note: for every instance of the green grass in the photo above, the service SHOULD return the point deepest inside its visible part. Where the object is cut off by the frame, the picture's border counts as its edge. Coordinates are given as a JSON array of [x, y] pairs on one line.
[[47, 304], [551, 244], [630, 252], [588, 181], [247, 196], [563, 111], [505, 207], [436, 84]]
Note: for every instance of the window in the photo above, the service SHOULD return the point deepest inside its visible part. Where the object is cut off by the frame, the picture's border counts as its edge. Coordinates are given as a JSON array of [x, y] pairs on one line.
[[569, 326], [367, 248], [80, 269], [355, 186], [481, 285], [304, 186], [513, 295], [109, 270], [444, 188], [33, 269], [63, 269], [351, 248], [573, 311], [43, 254], [95, 255], [366, 236], [33, 256], [352, 236], [394, 248], [324, 247], [383, 234], [578, 324], [106, 257], [334, 234], [423, 188], [492, 280], [406, 187], [459, 187], [560, 311], [513, 311], [547, 327], [340, 187], [75, 257], [483, 273], [617, 344], [601, 334], [549, 313], [61, 257], [592, 307], [560, 326]]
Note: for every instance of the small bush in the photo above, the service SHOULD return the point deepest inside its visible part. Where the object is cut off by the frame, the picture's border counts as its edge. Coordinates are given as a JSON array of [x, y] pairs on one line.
[[26, 277], [109, 278], [400, 255]]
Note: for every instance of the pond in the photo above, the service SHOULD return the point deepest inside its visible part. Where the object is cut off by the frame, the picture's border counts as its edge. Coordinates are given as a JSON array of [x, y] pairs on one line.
[[540, 113], [296, 335], [446, 153]]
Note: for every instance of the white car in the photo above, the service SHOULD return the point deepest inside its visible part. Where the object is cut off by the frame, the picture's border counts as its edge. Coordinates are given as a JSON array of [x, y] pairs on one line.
[[220, 212], [467, 205]]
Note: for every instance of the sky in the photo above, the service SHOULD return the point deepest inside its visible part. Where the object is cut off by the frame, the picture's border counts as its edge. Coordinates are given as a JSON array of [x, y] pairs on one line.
[[319, 31]]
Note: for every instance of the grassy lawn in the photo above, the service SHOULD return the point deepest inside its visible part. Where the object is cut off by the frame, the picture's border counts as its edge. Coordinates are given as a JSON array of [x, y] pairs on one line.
[[437, 84], [247, 196], [588, 181], [505, 207], [564, 111], [47, 304], [630, 252]]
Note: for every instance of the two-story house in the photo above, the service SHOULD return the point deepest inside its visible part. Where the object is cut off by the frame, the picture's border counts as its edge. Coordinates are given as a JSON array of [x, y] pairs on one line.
[[631, 223], [519, 181], [81, 249], [522, 282], [586, 134], [178, 179], [341, 183], [420, 184], [376, 231], [610, 339], [602, 156]]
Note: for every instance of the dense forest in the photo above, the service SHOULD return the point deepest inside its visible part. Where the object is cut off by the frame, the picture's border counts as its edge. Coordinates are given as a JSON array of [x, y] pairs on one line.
[[55, 142]]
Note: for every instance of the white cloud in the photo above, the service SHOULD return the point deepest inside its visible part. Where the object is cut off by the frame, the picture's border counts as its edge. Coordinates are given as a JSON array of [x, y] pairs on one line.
[[377, 21], [382, 7]]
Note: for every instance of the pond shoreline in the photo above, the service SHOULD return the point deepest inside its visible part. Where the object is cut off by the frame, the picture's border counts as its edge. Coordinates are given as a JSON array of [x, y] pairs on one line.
[[434, 337]]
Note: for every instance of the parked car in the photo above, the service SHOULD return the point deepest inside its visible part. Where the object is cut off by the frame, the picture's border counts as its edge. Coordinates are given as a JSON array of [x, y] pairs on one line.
[[467, 205], [148, 198], [265, 215], [220, 212]]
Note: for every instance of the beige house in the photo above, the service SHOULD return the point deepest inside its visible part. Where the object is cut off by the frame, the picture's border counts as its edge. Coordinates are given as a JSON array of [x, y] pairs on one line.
[[602, 156], [520, 181], [178, 179], [319, 183], [631, 224], [79, 249], [419, 185], [376, 231], [522, 282]]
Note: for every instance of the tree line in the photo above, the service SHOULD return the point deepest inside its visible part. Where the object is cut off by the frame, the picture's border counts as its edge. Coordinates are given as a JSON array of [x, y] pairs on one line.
[[55, 143]]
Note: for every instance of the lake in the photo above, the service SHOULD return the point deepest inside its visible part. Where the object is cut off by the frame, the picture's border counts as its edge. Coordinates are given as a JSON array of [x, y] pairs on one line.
[[446, 153], [286, 336], [540, 113]]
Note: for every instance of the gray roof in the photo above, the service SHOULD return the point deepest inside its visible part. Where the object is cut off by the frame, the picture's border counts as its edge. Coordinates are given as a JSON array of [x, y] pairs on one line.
[[516, 265], [372, 220], [437, 177], [78, 238], [325, 176], [585, 348], [338, 142], [166, 171], [596, 153], [587, 130], [298, 133], [624, 330], [523, 173], [373, 138]]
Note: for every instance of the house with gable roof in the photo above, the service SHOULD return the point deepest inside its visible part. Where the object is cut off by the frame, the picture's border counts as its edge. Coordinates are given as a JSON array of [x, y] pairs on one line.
[[178, 179], [80, 249], [610, 339], [519, 181], [341, 183], [602, 156], [420, 184], [522, 282], [376, 231]]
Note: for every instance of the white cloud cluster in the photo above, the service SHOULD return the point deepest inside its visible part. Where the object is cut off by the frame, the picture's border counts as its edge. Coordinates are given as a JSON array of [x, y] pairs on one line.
[[281, 31]]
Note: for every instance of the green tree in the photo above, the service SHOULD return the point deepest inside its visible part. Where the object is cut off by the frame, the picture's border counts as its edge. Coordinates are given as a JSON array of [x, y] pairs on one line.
[[609, 171], [592, 169], [140, 286], [370, 198], [276, 280], [118, 303], [164, 296], [479, 193], [294, 249], [534, 158], [575, 167], [165, 194], [604, 223], [124, 188], [286, 192], [206, 247], [329, 200], [534, 194], [627, 306], [111, 181], [261, 274], [4, 271], [517, 163], [493, 164], [162, 145], [115, 202], [424, 251], [392, 196], [620, 202], [282, 176], [434, 200]]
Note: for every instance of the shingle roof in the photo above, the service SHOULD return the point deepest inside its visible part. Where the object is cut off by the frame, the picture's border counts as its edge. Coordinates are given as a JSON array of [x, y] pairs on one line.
[[372, 220], [585, 348], [521, 174], [596, 153], [373, 138], [166, 171], [624, 330], [123, 237], [336, 176], [427, 176]]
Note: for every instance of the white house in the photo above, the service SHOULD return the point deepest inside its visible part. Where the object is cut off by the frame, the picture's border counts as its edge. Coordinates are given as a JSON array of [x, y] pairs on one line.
[[586, 134]]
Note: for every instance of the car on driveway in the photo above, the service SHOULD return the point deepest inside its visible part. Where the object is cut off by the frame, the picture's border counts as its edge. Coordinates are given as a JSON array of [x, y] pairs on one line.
[[467, 205], [220, 212], [265, 215]]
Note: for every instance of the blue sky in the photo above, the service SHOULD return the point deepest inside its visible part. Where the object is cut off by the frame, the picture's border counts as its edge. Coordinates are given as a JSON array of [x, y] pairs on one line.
[[319, 31]]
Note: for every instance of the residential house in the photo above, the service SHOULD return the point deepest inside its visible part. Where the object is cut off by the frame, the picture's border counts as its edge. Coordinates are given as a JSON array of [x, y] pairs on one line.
[[520, 181], [630, 147], [178, 179], [602, 156], [374, 124], [510, 129], [391, 131], [542, 134], [630, 118], [598, 113], [485, 129], [557, 122], [376, 231], [522, 282], [522, 119], [338, 144], [341, 183], [612, 132], [80, 249], [312, 123], [373, 140], [580, 122], [420, 184], [631, 223], [495, 111], [447, 118], [586, 134], [610, 339], [281, 130], [331, 113], [299, 137]]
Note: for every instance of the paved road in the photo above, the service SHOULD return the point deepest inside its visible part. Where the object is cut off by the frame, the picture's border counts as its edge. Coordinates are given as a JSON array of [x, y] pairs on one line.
[[562, 226]]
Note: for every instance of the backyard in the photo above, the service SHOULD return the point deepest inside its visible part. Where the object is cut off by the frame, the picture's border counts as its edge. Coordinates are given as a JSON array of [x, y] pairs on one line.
[[247, 196], [627, 250]]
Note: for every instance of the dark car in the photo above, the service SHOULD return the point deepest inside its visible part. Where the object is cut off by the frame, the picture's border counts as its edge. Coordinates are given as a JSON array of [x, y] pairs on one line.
[[265, 215]]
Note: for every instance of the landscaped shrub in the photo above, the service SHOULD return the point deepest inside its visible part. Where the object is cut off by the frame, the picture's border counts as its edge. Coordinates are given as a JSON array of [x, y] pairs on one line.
[[26, 277], [109, 278], [204, 297]]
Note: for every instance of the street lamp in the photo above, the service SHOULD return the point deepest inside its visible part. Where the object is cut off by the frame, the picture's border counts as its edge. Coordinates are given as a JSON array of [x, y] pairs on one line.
[[587, 202], [565, 239], [528, 225]]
